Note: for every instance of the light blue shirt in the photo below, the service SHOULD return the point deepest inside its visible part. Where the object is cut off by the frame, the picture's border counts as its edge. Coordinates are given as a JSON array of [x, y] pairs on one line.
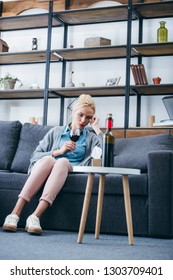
[[77, 155]]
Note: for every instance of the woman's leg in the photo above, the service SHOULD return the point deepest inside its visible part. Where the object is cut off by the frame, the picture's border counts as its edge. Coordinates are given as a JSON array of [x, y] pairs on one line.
[[40, 172], [56, 180], [53, 185], [38, 176]]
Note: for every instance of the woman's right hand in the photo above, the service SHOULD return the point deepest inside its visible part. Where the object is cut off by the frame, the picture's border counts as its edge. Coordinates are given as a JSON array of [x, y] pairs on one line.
[[66, 147]]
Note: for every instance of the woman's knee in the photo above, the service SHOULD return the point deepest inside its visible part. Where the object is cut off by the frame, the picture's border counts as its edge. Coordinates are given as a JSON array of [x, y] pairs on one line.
[[64, 163], [45, 162]]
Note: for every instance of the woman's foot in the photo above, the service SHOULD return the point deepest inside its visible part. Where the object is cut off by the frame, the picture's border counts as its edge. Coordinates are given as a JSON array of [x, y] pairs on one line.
[[11, 222], [33, 225]]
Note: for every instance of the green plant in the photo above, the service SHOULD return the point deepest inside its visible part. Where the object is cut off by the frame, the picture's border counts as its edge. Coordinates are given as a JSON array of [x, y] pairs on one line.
[[8, 78]]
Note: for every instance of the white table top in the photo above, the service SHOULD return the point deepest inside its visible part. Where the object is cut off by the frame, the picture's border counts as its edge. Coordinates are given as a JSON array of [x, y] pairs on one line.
[[106, 170]]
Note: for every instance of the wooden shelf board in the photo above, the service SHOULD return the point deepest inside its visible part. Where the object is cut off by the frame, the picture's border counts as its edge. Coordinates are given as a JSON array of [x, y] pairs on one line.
[[154, 10], [94, 91], [145, 131], [24, 94], [72, 54], [25, 22], [162, 89], [154, 49], [96, 15], [25, 57]]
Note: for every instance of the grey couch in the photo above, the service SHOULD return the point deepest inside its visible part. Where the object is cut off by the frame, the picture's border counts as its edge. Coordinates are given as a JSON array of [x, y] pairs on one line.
[[151, 192]]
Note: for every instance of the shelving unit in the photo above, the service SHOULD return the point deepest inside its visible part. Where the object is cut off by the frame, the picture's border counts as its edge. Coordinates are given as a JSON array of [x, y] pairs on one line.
[[92, 16], [127, 13], [146, 11], [28, 22]]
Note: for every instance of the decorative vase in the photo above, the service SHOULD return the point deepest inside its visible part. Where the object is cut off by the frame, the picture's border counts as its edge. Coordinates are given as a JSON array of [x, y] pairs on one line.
[[162, 32], [71, 84]]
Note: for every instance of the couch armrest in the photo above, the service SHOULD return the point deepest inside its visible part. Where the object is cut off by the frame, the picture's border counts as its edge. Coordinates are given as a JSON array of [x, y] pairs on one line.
[[160, 193]]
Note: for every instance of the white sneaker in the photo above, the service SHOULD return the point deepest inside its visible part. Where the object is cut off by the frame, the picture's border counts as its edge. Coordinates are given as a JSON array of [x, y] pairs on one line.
[[10, 223], [33, 225]]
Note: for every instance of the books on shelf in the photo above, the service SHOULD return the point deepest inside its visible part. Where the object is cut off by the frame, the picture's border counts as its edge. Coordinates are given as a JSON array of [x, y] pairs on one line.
[[139, 74]]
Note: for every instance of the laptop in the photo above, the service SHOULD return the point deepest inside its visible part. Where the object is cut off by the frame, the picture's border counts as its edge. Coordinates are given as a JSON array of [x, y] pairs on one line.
[[168, 103]]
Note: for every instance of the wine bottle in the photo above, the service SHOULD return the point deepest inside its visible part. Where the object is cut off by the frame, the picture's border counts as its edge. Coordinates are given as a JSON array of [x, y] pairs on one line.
[[108, 144]]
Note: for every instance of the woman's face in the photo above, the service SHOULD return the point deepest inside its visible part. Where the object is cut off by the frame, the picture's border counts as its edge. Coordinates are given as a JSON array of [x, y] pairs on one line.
[[82, 116]]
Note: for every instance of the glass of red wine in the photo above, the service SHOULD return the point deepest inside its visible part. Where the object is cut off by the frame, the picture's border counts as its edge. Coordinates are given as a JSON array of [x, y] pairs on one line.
[[74, 134]]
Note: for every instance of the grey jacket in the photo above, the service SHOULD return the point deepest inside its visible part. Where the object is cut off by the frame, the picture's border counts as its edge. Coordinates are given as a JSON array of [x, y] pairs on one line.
[[51, 140]]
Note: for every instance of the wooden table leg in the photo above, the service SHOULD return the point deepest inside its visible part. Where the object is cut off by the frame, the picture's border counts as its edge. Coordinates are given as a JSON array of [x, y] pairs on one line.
[[86, 203], [99, 205], [127, 202]]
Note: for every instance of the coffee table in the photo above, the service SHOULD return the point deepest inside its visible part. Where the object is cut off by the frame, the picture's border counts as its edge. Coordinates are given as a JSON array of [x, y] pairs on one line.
[[103, 171]]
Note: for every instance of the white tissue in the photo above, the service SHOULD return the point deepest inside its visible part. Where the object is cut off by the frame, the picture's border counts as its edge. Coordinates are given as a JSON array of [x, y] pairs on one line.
[[96, 152]]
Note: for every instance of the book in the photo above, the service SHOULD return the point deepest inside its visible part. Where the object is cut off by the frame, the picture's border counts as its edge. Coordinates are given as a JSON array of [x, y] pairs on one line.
[[139, 74], [135, 75], [143, 73]]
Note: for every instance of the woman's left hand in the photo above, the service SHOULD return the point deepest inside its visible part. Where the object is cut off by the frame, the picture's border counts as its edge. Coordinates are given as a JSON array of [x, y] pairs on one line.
[[94, 124], [94, 121]]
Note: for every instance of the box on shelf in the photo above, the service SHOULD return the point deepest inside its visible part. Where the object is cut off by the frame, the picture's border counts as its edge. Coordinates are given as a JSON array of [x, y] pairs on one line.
[[96, 42], [3, 46]]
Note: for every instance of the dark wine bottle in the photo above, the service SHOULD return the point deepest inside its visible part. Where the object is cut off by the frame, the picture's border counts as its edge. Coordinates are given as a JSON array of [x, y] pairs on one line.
[[108, 144]]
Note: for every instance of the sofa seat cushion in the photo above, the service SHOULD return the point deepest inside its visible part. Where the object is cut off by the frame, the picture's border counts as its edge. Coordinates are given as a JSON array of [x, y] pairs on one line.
[[30, 136], [9, 138], [133, 152], [76, 183], [12, 181]]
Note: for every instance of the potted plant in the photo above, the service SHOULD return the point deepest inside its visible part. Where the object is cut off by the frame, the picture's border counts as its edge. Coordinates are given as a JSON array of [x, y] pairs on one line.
[[9, 81]]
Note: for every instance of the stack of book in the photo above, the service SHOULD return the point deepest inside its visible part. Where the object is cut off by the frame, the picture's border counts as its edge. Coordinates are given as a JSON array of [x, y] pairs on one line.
[[139, 74]]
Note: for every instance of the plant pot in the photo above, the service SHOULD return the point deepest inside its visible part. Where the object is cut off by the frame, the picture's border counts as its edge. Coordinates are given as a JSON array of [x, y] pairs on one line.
[[156, 81], [9, 84]]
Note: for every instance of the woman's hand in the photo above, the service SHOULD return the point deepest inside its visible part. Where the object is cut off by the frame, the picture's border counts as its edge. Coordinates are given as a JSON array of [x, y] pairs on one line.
[[94, 124], [66, 147], [94, 121]]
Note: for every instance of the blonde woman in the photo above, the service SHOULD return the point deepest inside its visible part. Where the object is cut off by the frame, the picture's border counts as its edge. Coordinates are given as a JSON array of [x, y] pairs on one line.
[[53, 159]]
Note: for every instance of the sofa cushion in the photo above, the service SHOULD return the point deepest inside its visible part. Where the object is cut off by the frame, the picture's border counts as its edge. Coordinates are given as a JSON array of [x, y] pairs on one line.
[[9, 137], [133, 152], [30, 136]]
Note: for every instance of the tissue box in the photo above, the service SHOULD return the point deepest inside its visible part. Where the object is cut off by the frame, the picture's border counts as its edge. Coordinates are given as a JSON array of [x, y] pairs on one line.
[[96, 42], [96, 162]]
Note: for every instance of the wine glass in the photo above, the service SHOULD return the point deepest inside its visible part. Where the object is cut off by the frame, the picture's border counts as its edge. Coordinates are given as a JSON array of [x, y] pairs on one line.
[[74, 134]]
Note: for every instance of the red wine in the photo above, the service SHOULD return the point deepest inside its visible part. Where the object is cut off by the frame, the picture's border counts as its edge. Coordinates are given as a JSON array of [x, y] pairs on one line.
[[108, 144], [74, 138], [74, 134]]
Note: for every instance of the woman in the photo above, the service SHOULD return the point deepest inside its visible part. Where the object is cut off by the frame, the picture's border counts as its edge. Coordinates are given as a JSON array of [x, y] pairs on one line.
[[53, 160]]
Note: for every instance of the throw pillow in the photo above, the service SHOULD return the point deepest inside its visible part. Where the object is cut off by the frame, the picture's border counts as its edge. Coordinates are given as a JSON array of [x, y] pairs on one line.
[[9, 138], [30, 136], [133, 152]]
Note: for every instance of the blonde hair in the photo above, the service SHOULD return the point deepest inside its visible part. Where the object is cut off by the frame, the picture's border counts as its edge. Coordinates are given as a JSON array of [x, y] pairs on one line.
[[84, 100]]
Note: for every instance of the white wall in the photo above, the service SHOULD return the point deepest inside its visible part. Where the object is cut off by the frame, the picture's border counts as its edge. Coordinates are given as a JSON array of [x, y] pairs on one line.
[[92, 73]]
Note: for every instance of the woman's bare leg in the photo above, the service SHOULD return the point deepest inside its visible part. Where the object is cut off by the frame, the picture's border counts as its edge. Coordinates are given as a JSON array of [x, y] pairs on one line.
[[41, 208], [38, 176], [20, 204]]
